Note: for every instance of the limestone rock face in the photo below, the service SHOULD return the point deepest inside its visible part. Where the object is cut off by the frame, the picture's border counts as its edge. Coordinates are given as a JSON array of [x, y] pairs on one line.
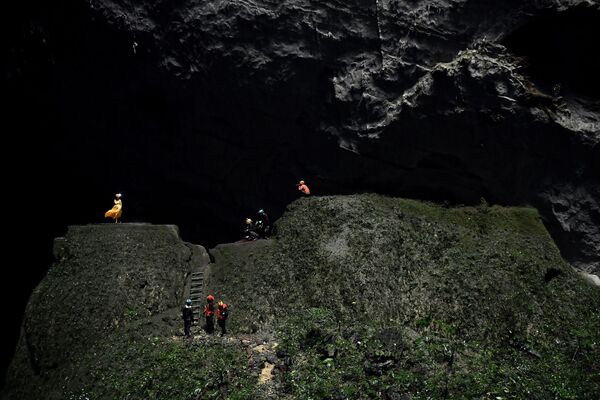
[[344, 275], [225, 104], [105, 278]]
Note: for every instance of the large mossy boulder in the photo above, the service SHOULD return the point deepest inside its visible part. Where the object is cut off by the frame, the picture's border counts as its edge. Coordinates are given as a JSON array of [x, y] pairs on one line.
[[372, 294], [114, 290], [356, 297]]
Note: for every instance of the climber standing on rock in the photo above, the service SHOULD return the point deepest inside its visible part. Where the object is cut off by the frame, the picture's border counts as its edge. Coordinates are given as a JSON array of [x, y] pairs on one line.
[[117, 210], [303, 188], [265, 224], [209, 313], [222, 314], [188, 316]]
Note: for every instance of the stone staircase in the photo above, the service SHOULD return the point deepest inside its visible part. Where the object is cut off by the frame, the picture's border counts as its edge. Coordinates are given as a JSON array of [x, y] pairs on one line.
[[197, 294]]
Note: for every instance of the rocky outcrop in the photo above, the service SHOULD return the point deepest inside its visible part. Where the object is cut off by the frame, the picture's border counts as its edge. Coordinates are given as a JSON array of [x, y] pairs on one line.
[[109, 281], [359, 296], [444, 100], [473, 281]]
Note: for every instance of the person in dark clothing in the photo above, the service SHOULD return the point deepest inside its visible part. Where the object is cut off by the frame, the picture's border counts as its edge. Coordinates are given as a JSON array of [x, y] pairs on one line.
[[188, 317], [222, 314], [265, 223], [209, 313], [250, 232]]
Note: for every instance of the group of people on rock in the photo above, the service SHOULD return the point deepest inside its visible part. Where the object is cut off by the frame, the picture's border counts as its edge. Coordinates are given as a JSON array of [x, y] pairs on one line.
[[261, 227], [209, 312]]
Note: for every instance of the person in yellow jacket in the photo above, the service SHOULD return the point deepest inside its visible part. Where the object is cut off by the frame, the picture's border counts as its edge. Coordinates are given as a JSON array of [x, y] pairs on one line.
[[117, 210]]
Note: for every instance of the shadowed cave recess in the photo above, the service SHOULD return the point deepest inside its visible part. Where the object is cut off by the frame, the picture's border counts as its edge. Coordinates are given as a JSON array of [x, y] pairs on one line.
[[201, 113], [559, 50]]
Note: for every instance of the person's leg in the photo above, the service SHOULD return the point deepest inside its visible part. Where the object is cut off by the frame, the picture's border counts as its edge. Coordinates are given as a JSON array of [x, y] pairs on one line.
[[210, 325]]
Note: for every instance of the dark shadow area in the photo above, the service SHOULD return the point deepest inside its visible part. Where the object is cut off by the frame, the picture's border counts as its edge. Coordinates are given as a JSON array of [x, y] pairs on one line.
[[561, 51], [551, 274]]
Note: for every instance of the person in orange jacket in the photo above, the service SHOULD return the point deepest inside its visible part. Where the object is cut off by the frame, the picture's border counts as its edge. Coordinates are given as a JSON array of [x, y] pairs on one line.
[[303, 188], [222, 314], [209, 312]]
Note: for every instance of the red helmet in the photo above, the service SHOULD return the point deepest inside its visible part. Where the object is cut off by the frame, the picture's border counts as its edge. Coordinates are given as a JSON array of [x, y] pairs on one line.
[[210, 297]]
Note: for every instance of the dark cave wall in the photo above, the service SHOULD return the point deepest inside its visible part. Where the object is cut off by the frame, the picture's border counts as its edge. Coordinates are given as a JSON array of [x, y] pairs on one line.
[[201, 112], [561, 50]]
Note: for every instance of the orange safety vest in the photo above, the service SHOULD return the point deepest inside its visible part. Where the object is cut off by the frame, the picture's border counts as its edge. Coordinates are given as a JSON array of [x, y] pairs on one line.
[[222, 312], [304, 189], [209, 310]]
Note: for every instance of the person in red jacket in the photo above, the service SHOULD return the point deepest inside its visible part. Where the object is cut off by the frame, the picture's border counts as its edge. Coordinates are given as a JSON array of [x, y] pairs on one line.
[[222, 314], [303, 188], [209, 312]]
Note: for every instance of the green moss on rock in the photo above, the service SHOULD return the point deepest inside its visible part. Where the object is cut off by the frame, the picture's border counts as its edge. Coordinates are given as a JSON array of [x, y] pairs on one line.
[[477, 297], [154, 368], [111, 283], [358, 297]]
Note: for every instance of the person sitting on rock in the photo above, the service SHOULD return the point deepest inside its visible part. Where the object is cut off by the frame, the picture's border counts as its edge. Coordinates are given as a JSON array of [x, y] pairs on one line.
[[117, 210], [188, 317], [209, 312], [303, 188], [250, 232], [222, 314], [264, 221]]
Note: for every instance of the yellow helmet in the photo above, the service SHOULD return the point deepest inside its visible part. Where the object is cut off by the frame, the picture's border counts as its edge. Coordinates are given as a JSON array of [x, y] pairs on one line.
[[248, 221], [302, 182]]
